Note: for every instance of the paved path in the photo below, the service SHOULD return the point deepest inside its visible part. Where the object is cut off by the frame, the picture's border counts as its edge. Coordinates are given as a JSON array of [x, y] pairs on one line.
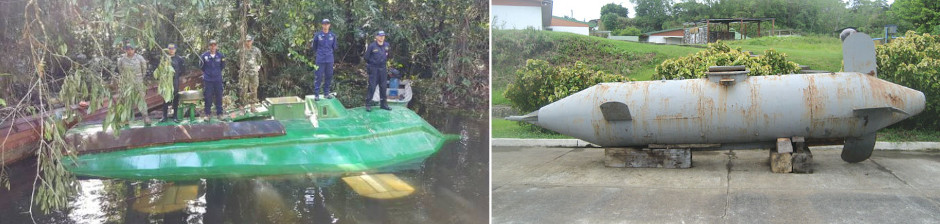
[[571, 185]]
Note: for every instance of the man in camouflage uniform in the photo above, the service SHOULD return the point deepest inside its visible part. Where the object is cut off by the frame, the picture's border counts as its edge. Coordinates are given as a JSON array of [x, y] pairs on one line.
[[249, 74], [132, 67]]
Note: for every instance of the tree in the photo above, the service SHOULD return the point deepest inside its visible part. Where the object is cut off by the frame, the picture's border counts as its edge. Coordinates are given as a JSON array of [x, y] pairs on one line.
[[611, 8], [923, 14], [651, 14]]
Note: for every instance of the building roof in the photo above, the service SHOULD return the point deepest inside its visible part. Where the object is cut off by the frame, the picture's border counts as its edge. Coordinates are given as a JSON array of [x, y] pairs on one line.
[[662, 31], [561, 21], [537, 3], [734, 20]]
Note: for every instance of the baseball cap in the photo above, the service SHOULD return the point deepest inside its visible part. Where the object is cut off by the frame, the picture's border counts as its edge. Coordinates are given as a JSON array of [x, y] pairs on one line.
[[213, 42], [380, 33], [171, 46], [325, 21]]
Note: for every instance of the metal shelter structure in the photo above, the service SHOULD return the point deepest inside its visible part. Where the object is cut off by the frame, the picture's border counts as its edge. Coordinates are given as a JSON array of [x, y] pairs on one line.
[[724, 34]]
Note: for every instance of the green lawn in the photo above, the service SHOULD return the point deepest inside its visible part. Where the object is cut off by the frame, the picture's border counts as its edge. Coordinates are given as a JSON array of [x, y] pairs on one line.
[[511, 49], [509, 129], [819, 52]]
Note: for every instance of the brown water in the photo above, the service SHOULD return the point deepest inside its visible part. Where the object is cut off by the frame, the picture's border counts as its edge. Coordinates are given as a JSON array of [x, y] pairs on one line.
[[451, 186]]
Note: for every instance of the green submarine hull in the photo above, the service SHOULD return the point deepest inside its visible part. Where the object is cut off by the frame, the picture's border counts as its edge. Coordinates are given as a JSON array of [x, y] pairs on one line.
[[343, 141]]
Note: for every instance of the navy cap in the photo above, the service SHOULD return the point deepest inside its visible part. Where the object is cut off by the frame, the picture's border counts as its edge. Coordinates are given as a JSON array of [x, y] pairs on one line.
[[325, 21], [211, 42], [171, 46], [128, 46], [380, 33]]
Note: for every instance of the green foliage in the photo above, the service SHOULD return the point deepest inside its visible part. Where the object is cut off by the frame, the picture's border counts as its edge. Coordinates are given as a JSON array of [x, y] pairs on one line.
[[914, 62], [720, 54], [84, 85], [540, 83], [651, 14], [511, 49], [164, 75], [615, 9], [57, 183], [924, 15], [628, 31]]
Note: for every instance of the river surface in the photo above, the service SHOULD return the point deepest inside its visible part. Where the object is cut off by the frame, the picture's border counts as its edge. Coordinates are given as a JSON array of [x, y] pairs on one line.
[[451, 186]]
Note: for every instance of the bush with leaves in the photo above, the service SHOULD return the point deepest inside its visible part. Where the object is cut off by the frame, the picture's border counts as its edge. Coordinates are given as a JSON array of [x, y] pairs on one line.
[[720, 54], [627, 31], [539, 83], [914, 61]]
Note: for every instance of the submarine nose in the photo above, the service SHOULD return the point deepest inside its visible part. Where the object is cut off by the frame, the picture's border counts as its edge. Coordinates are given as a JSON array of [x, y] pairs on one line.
[[532, 118]]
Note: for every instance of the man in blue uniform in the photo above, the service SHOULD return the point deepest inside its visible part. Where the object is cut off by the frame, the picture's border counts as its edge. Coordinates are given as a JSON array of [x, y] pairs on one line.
[[376, 56], [212, 64], [324, 43], [179, 67]]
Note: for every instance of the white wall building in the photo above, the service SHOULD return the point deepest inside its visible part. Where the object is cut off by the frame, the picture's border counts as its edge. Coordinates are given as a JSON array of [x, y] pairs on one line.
[[520, 14], [564, 25]]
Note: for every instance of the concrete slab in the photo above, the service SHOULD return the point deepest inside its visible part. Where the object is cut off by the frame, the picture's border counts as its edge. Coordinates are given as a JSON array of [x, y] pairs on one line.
[[571, 185]]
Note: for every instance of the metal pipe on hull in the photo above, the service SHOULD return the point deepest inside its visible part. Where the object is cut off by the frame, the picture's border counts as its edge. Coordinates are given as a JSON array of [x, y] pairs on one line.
[[741, 110]]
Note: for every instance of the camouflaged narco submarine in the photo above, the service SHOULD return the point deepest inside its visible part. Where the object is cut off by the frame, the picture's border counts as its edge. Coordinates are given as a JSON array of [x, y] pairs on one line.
[[284, 136], [729, 109]]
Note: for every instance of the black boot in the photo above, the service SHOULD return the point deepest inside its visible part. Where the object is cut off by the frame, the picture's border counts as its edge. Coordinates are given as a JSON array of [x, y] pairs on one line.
[[385, 105], [368, 106]]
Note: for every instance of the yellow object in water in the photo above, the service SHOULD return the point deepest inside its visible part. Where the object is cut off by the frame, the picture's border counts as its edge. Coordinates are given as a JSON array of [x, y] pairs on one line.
[[379, 186], [172, 198]]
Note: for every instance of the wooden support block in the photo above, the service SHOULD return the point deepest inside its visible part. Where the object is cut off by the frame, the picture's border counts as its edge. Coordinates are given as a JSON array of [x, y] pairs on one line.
[[803, 161], [784, 145], [799, 144], [648, 158], [781, 162]]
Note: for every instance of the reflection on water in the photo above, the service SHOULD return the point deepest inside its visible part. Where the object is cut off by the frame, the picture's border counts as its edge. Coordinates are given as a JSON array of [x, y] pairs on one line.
[[449, 187]]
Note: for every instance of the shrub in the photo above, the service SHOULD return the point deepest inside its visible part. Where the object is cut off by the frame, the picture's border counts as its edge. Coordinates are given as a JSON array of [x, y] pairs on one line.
[[628, 31], [539, 83], [914, 61], [720, 54]]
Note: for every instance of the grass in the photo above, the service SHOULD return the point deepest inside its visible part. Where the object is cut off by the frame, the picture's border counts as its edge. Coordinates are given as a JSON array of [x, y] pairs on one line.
[[902, 135], [509, 129], [819, 52], [511, 49]]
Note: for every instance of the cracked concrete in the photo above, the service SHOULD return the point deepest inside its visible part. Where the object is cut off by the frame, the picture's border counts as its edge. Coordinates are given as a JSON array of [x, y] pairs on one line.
[[571, 185]]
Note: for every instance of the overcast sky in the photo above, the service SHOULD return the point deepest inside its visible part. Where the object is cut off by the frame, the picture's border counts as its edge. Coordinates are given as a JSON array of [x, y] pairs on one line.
[[585, 10]]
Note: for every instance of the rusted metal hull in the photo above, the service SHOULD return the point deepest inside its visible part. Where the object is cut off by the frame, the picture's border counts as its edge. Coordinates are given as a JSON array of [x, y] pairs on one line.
[[21, 136], [758, 109]]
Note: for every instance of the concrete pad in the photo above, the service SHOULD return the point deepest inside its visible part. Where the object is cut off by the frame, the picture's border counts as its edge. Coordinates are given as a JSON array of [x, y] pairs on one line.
[[571, 185], [516, 162], [917, 169], [830, 206], [830, 173], [585, 167], [581, 204]]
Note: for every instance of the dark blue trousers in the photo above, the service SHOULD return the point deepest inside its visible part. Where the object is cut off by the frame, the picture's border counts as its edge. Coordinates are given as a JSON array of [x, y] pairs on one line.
[[324, 75], [212, 93], [378, 76]]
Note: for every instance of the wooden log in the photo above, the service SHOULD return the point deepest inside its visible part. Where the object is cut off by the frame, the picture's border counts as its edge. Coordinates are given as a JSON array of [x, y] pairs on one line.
[[96, 142], [781, 162], [648, 158], [803, 161], [784, 145]]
